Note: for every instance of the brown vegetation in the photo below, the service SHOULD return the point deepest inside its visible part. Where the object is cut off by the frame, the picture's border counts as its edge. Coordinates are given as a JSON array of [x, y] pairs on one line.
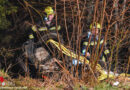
[[75, 16]]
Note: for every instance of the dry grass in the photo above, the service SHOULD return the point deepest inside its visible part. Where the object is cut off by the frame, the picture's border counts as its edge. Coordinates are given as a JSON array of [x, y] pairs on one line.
[[64, 83], [3, 74]]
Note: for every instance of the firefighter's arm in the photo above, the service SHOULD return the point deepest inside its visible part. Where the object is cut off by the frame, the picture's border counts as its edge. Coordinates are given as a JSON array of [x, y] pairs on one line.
[[31, 31], [54, 28]]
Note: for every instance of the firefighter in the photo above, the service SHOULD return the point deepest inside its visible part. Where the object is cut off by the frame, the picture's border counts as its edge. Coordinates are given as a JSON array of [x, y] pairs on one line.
[[93, 36], [49, 24], [46, 27]]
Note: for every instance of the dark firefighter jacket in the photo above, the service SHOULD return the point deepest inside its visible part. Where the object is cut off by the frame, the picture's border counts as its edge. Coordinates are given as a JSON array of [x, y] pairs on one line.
[[93, 42], [42, 28]]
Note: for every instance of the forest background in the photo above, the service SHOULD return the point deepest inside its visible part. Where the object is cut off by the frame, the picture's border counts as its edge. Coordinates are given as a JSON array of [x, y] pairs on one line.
[[72, 15]]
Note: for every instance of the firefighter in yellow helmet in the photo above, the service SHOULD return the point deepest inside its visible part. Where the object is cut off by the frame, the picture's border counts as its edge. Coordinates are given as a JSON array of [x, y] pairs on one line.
[[49, 11], [49, 15], [49, 22], [47, 28], [93, 35]]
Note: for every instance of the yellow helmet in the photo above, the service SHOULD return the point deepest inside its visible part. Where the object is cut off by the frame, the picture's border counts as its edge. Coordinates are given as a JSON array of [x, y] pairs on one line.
[[49, 10], [96, 25]]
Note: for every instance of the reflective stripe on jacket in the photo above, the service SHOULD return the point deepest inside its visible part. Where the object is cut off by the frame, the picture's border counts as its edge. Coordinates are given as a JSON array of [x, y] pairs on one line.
[[31, 36]]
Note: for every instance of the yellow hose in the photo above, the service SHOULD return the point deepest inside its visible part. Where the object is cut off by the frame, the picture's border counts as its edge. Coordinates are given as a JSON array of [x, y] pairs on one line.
[[67, 52]]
